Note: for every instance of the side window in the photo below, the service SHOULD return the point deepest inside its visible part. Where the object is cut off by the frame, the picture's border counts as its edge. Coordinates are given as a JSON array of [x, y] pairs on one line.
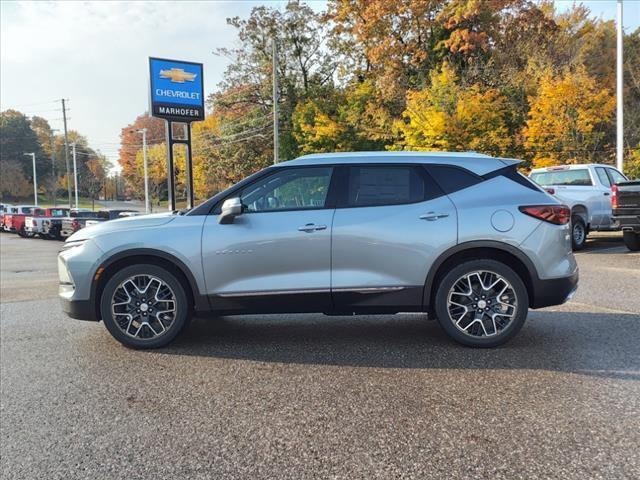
[[616, 176], [288, 189], [384, 185], [452, 179], [602, 175]]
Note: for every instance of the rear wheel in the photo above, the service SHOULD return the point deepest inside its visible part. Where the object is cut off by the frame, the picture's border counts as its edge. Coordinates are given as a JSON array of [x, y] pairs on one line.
[[144, 306], [481, 303], [631, 240], [578, 232]]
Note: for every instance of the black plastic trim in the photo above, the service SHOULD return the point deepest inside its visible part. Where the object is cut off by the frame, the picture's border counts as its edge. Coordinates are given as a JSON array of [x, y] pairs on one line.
[[553, 291], [79, 309], [461, 247], [201, 302]]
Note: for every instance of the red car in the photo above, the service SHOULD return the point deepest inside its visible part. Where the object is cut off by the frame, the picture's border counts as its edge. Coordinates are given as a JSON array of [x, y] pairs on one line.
[[14, 220]]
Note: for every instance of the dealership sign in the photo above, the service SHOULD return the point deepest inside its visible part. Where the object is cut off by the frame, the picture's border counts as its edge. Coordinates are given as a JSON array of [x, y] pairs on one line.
[[177, 90]]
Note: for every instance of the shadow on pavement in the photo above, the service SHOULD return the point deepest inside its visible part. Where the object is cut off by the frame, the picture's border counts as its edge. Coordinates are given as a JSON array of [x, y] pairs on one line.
[[604, 345]]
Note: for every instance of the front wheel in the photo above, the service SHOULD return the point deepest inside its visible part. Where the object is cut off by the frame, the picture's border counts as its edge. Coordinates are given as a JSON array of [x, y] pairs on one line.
[[144, 306], [631, 240], [481, 303]]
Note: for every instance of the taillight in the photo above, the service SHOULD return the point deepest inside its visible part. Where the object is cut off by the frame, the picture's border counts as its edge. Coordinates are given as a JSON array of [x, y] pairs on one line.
[[75, 225], [34, 223], [614, 196], [550, 190], [556, 214]]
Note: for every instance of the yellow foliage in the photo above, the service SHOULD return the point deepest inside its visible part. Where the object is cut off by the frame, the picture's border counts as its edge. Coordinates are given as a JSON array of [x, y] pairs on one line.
[[568, 119], [446, 116]]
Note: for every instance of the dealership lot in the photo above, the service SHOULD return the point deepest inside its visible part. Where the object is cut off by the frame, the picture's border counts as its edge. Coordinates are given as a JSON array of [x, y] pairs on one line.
[[302, 396]]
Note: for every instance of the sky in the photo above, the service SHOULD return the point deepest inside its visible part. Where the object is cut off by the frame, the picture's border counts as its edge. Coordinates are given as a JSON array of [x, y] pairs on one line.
[[95, 54]]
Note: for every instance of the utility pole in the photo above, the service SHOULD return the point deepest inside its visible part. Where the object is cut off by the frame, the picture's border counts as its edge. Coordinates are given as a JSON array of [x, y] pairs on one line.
[[75, 172], [54, 179], [619, 92], [66, 150], [35, 180], [276, 143], [147, 208]]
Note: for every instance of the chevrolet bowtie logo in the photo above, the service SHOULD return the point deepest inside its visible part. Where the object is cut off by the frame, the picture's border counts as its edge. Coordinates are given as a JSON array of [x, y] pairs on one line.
[[177, 75]]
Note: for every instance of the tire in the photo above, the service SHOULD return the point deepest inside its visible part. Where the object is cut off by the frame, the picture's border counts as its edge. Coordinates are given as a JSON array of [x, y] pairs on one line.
[[578, 233], [128, 324], [479, 329], [631, 240]]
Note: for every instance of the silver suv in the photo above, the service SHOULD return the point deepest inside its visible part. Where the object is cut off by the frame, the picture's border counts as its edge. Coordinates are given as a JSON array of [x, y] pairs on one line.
[[461, 236]]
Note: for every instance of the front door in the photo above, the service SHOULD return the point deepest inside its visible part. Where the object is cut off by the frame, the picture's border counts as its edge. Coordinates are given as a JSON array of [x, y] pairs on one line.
[[276, 255]]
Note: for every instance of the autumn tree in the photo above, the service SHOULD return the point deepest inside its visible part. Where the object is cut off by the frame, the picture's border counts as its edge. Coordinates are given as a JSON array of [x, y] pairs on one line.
[[447, 116], [18, 137], [569, 120], [131, 144]]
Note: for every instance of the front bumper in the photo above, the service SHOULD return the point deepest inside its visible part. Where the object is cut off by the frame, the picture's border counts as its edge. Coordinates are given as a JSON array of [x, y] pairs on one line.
[[76, 267], [554, 291]]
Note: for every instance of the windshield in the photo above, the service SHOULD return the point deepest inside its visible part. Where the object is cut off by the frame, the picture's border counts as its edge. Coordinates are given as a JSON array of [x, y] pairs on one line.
[[25, 210], [58, 212], [577, 177]]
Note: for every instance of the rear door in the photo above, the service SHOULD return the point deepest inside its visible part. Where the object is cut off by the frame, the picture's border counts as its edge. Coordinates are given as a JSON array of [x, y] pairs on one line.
[[391, 224]]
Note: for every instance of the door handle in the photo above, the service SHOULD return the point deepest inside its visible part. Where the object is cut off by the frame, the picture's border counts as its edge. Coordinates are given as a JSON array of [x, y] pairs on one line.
[[311, 227], [431, 216], [606, 194]]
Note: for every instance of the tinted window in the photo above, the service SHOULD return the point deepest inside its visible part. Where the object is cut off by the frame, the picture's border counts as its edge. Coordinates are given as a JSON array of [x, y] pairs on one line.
[[452, 179], [616, 176], [383, 185], [86, 215], [288, 189], [602, 175], [577, 177]]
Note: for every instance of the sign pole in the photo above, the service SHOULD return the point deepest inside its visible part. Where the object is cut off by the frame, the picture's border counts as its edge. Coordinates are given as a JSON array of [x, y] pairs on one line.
[[189, 168], [171, 181]]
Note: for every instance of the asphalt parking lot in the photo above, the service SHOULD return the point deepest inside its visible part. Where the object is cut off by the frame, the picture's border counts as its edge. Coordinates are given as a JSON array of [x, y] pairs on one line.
[[309, 396]]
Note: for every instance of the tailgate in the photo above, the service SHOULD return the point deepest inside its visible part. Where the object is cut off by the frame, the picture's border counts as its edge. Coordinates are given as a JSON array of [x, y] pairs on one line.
[[628, 198]]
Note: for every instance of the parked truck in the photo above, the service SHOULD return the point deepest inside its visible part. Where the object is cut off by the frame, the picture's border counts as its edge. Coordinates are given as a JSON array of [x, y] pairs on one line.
[[34, 224], [14, 220], [626, 212], [587, 190]]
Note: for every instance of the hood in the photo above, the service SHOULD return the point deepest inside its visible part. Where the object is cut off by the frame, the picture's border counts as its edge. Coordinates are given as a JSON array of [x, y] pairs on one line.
[[126, 223]]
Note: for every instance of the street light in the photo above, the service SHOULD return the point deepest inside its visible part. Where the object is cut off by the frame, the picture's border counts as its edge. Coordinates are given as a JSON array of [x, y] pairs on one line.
[[35, 180], [143, 131]]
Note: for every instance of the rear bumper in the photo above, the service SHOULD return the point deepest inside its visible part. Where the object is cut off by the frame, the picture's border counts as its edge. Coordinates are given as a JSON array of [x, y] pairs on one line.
[[555, 291], [79, 309], [629, 222]]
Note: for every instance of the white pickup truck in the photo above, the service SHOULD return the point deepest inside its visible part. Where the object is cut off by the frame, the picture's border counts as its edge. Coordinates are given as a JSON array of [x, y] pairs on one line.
[[586, 189]]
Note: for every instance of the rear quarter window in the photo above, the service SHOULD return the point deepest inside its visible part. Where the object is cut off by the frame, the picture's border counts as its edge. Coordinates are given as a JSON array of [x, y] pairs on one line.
[[452, 179], [577, 177]]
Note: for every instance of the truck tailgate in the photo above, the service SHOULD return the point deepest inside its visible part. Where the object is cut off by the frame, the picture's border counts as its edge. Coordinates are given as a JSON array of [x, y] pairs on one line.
[[628, 198]]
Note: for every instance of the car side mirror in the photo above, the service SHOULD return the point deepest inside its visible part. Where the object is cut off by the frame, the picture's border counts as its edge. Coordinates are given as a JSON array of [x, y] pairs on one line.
[[231, 208]]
